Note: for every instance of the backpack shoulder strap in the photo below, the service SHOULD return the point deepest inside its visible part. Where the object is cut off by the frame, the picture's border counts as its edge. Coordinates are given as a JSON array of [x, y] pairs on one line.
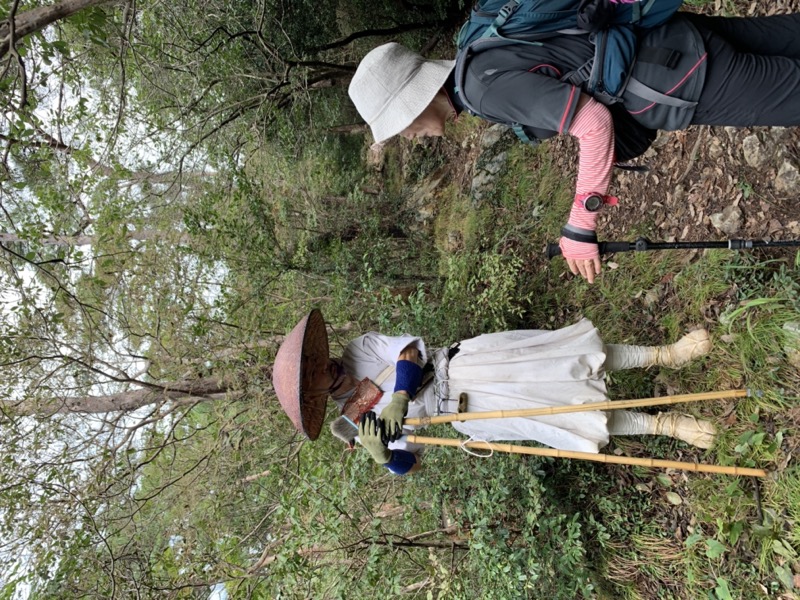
[[637, 88], [502, 16], [384, 375]]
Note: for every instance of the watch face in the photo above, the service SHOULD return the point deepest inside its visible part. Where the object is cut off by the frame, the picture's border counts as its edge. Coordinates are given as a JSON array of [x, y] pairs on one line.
[[593, 203]]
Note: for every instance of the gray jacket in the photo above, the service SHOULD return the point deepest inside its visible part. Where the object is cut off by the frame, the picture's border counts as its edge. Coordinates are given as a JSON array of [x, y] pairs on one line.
[[524, 84]]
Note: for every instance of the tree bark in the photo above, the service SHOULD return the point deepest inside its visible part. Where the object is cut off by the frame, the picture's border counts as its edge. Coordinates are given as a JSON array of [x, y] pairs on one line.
[[380, 32], [179, 392], [88, 240], [352, 128], [38, 18]]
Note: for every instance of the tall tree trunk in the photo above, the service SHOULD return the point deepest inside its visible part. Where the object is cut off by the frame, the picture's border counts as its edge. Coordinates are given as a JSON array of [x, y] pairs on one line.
[[38, 18], [180, 392], [88, 240], [349, 129]]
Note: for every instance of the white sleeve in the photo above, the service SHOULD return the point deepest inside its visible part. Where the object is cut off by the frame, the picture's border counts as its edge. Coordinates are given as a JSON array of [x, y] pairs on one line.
[[387, 348], [370, 354], [402, 444]]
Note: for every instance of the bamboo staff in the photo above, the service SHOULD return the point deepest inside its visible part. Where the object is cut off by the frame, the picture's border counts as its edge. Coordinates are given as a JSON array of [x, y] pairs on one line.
[[556, 410], [604, 458]]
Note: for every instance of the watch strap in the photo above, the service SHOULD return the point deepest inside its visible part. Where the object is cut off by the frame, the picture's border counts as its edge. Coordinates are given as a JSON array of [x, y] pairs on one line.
[[609, 200]]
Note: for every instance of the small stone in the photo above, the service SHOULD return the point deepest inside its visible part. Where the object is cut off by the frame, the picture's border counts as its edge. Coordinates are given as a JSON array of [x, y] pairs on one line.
[[729, 221], [715, 149], [788, 178], [493, 135], [495, 164], [755, 154]]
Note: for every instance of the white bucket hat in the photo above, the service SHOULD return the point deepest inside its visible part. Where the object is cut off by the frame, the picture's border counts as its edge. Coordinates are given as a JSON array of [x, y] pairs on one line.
[[393, 85]]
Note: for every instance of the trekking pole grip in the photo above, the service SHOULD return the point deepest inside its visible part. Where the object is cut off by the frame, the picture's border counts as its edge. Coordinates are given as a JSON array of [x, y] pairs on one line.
[[553, 250]]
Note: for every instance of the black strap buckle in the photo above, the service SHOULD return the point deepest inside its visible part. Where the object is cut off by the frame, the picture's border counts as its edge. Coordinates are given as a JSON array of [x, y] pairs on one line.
[[580, 75], [453, 350]]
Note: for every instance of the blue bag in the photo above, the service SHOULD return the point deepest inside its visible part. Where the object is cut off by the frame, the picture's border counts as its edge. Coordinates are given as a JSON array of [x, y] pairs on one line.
[[539, 19]]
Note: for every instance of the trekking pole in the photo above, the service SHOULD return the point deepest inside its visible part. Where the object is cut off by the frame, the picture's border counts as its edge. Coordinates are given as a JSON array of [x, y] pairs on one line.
[[643, 245], [604, 458], [556, 410]]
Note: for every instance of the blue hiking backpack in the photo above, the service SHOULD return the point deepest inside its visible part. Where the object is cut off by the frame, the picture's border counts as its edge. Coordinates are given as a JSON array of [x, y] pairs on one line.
[[613, 28], [529, 19]]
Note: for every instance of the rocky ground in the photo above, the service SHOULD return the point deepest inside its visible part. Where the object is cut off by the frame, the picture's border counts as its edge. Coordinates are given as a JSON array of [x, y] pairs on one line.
[[708, 183]]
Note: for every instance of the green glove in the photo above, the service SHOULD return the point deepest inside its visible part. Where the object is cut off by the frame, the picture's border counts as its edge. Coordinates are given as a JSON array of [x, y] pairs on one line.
[[393, 415], [369, 434]]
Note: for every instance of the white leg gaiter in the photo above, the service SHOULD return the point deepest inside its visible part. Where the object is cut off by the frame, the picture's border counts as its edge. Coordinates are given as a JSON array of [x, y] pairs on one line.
[[698, 432], [622, 356], [629, 422]]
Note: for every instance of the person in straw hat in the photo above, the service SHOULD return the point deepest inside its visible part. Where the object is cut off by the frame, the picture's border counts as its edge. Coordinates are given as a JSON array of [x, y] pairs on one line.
[[730, 72], [497, 371]]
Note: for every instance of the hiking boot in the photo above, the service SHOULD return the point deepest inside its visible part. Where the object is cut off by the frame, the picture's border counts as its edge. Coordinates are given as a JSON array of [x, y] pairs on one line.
[[694, 431], [623, 356], [692, 345]]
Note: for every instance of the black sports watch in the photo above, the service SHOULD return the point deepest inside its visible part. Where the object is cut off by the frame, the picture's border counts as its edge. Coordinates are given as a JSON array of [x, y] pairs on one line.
[[593, 203]]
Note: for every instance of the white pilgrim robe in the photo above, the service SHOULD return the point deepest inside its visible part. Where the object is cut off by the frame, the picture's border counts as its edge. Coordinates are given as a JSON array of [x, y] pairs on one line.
[[503, 371]]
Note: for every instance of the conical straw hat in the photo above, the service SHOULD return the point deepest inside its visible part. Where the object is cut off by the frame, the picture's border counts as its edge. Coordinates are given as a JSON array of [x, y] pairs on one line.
[[301, 359]]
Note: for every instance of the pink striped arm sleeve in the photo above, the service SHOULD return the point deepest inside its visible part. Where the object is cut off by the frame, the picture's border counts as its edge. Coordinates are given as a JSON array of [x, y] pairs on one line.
[[594, 128]]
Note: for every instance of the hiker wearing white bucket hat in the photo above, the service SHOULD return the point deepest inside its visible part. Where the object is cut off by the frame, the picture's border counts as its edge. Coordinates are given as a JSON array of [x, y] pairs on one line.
[[698, 70], [393, 86]]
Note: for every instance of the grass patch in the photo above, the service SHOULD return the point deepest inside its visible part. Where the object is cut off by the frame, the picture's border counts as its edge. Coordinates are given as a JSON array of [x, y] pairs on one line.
[[618, 529]]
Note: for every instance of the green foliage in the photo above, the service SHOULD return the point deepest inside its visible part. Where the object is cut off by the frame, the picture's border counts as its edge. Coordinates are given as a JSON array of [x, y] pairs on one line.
[[488, 286], [519, 546], [541, 527], [248, 211]]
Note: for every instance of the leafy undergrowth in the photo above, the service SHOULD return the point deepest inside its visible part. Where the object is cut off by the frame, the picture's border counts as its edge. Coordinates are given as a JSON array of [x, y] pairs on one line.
[[565, 529]]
